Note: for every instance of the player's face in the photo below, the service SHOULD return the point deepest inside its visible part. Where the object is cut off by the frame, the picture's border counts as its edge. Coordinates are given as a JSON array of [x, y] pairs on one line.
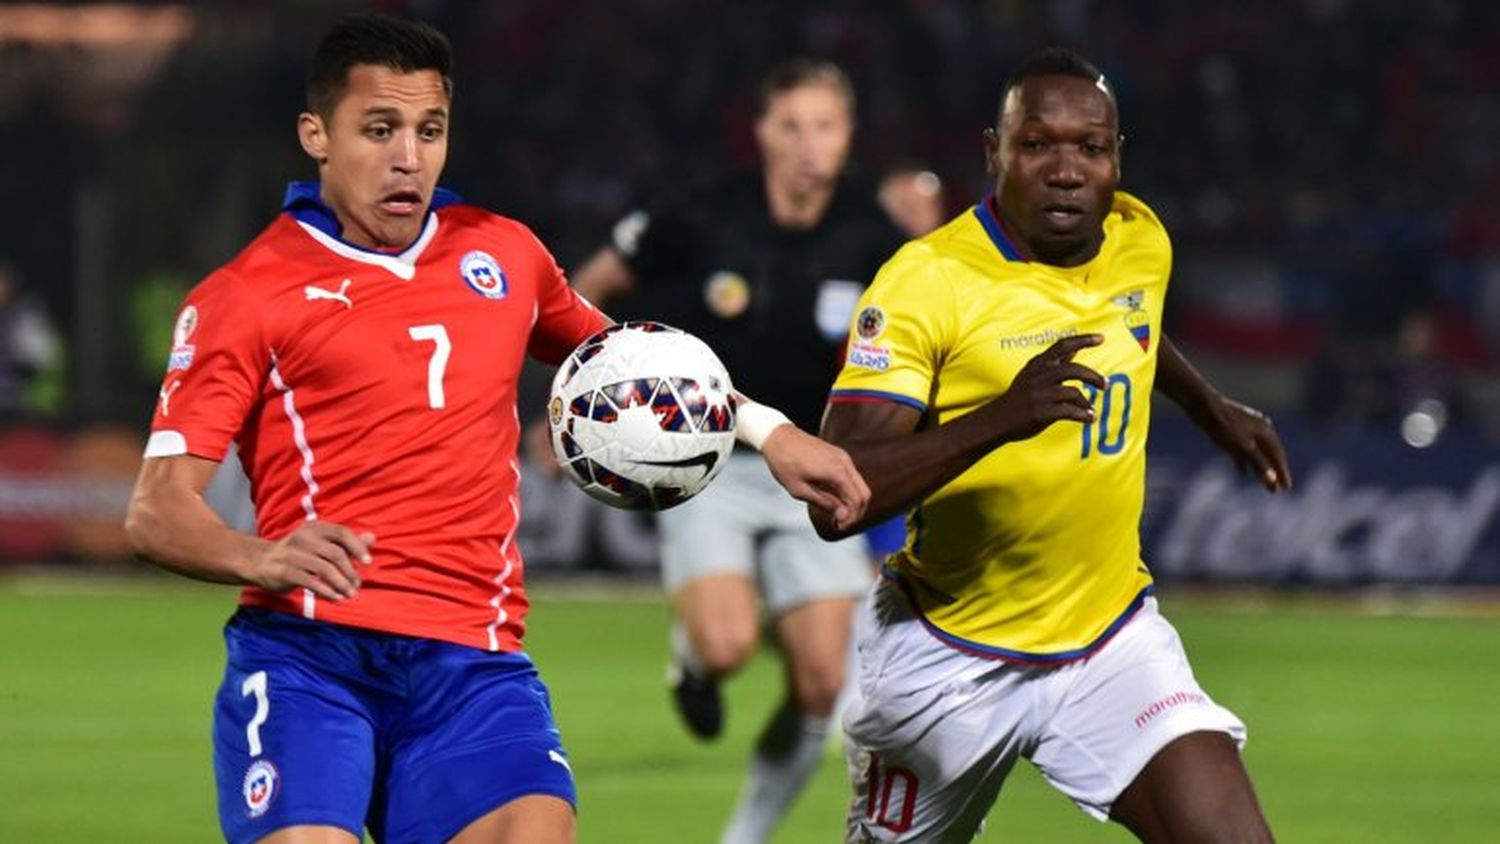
[[380, 154], [804, 137], [1056, 160]]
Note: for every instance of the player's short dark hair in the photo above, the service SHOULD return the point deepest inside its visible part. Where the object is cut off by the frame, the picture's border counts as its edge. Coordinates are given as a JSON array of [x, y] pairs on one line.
[[1053, 61], [796, 73], [401, 45]]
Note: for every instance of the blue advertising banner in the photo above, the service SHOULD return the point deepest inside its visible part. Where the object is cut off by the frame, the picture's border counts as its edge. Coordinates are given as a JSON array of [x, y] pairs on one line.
[[1366, 509]]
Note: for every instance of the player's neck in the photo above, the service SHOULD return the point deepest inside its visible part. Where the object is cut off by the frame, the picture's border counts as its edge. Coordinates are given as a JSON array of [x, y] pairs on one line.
[[793, 209]]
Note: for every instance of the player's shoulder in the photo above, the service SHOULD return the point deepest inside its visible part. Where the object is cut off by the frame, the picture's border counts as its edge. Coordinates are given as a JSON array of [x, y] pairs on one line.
[[1137, 219], [263, 261], [462, 223], [461, 218], [954, 248], [915, 269]]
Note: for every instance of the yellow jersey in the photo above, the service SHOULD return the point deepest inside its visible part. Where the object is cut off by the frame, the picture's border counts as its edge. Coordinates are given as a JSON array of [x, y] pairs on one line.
[[1033, 553]]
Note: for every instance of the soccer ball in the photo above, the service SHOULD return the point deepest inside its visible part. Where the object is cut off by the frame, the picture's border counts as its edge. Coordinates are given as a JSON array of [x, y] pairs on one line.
[[642, 416]]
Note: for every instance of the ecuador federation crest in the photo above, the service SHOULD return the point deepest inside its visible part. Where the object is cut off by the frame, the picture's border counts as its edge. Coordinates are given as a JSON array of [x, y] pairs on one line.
[[1136, 318]]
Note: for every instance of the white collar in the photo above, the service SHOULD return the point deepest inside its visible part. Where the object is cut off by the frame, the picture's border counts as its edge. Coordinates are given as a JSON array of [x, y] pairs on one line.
[[403, 264]]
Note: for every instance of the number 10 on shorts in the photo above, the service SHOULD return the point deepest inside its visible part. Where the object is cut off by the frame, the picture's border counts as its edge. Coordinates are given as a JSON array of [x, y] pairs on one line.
[[890, 795]]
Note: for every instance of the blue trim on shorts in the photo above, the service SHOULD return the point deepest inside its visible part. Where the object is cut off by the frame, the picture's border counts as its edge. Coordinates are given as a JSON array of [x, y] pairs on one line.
[[1006, 654]]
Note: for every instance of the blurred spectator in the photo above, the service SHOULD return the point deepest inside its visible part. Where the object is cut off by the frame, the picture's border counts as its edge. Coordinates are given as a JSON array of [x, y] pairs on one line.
[[1363, 140], [29, 353]]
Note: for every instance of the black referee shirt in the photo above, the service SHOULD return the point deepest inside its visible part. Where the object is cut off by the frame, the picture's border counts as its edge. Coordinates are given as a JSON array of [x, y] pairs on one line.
[[774, 303]]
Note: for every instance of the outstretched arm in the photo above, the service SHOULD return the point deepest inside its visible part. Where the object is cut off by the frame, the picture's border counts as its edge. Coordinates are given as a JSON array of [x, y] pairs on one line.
[[1244, 433], [904, 465], [808, 468]]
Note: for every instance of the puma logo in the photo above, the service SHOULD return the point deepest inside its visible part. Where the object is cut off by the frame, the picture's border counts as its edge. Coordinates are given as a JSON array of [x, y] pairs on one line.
[[341, 295], [165, 393]]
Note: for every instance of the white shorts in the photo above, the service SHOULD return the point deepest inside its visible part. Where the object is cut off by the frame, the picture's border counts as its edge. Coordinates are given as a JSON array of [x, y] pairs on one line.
[[933, 731], [746, 523]]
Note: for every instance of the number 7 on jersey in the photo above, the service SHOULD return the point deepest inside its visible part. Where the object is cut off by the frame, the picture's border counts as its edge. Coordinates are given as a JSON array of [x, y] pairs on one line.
[[437, 364]]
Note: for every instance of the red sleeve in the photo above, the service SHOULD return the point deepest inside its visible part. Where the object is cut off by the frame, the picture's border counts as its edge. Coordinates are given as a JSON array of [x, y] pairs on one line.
[[563, 318], [218, 363]]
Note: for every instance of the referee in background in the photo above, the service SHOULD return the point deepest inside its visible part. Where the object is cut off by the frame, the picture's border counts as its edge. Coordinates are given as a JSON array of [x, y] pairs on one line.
[[766, 266]]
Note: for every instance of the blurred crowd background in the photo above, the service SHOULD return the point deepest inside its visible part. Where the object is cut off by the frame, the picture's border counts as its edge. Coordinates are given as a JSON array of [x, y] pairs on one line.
[[1327, 168]]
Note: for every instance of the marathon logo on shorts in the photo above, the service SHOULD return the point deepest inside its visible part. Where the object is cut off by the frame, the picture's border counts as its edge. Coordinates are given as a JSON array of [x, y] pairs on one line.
[[1168, 702], [261, 781], [482, 273], [870, 356]]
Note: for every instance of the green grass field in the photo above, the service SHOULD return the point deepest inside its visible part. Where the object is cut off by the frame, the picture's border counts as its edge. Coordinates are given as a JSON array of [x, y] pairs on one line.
[[1364, 727]]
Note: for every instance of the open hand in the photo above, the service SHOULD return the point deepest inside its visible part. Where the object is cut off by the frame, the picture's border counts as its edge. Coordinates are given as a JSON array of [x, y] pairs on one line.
[[1039, 395], [1250, 440]]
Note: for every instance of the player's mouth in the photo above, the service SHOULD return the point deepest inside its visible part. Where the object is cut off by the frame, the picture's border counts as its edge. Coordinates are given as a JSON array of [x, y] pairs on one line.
[[402, 203], [1063, 215]]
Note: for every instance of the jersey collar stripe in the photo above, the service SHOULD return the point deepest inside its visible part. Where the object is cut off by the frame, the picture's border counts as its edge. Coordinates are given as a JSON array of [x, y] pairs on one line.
[[299, 436], [1006, 654], [852, 396], [996, 231], [403, 265]]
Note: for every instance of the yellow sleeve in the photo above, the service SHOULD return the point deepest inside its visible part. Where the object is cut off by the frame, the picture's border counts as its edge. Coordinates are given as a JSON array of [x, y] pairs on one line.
[[904, 324]]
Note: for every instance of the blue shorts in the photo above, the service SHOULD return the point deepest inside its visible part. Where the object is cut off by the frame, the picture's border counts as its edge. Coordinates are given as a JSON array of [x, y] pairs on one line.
[[412, 738]]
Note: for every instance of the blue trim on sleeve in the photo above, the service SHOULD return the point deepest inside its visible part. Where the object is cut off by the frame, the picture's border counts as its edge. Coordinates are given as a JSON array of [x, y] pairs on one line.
[[304, 201], [873, 395], [996, 232], [1006, 654]]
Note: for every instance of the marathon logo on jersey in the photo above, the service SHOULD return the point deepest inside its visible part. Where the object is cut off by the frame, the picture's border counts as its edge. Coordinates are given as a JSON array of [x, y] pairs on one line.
[[183, 351], [483, 274], [261, 782], [1041, 338], [1136, 319], [870, 356]]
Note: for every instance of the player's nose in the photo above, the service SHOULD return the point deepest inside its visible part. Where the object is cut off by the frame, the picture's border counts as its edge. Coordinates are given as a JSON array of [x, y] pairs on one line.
[[404, 154], [1064, 173]]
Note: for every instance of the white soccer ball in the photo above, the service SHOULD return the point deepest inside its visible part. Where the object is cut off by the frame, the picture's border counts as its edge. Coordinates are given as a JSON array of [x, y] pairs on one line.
[[642, 416]]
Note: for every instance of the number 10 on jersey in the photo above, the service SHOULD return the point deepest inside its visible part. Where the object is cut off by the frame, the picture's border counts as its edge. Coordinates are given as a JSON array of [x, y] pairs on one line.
[[1106, 434]]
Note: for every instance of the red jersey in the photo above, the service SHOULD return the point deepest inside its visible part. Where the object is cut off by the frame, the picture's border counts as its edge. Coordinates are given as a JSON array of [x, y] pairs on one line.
[[378, 391]]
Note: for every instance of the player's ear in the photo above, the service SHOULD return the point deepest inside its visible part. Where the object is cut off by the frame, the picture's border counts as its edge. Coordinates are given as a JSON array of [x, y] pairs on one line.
[[313, 134], [992, 152]]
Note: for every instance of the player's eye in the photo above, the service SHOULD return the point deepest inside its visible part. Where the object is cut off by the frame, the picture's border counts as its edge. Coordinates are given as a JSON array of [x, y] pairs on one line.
[[1094, 148], [431, 132], [378, 131], [1033, 145]]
